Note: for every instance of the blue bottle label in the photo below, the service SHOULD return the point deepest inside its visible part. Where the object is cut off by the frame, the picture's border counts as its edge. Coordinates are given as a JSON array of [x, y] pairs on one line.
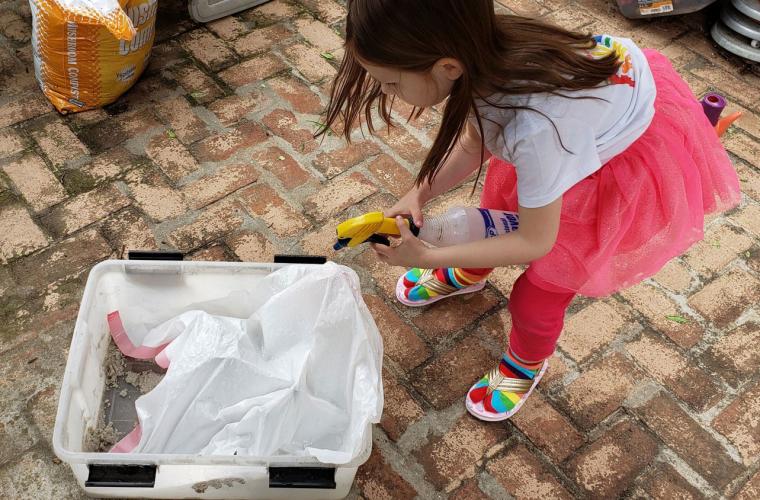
[[508, 221], [490, 229]]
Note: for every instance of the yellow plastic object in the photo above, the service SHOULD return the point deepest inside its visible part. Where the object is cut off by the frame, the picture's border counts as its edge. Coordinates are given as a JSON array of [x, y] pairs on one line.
[[360, 229], [89, 52]]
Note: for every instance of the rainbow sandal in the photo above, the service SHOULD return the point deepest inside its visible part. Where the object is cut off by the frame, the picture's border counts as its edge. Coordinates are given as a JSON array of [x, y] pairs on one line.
[[412, 276], [502, 391], [427, 289]]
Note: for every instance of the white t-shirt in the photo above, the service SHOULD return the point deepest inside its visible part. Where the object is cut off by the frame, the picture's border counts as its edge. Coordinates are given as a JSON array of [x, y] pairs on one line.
[[592, 130]]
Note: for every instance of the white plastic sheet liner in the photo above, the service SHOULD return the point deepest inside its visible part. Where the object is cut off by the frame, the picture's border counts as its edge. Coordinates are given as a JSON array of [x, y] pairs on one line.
[[290, 368]]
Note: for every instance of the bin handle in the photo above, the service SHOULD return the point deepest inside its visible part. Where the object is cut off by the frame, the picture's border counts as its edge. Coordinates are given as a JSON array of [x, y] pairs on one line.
[[322, 478], [154, 255], [121, 476], [300, 259]]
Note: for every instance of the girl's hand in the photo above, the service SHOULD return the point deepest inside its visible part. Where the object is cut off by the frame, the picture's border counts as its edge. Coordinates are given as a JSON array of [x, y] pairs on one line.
[[408, 252], [410, 204]]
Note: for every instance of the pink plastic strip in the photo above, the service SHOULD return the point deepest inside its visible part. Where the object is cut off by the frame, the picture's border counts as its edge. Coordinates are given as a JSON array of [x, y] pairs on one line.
[[162, 360], [128, 442], [125, 345]]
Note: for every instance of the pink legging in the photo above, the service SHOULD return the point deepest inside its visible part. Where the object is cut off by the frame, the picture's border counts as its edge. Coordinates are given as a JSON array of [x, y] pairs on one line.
[[538, 315]]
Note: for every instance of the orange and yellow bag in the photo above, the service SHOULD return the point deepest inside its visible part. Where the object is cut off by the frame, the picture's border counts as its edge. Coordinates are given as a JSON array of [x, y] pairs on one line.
[[89, 52]]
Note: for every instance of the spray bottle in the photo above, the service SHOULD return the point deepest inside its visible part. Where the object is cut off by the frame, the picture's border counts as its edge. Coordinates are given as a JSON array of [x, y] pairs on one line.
[[457, 226]]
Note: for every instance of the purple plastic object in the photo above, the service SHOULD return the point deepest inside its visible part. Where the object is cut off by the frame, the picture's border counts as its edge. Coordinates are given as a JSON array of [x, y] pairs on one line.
[[713, 104]]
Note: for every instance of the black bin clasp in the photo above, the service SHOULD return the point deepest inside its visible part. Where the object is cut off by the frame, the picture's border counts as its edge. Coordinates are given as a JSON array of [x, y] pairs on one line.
[[299, 259], [322, 478], [154, 255], [121, 476]]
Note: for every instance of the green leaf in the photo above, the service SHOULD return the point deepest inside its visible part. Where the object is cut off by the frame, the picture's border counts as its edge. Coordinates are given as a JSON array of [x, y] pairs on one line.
[[677, 319], [319, 125], [747, 254], [715, 244], [327, 55], [281, 158], [170, 134], [196, 95]]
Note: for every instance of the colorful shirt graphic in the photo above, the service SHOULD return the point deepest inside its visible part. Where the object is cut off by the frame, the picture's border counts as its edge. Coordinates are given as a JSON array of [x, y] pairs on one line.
[[606, 45], [557, 142]]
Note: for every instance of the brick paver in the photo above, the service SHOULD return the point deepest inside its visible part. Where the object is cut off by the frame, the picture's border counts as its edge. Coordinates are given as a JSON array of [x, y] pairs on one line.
[[653, 392]]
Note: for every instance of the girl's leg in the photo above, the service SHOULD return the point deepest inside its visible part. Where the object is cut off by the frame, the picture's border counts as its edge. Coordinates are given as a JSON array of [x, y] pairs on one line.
[[499, 193], [420, 285], [537, 319], [538, 316]]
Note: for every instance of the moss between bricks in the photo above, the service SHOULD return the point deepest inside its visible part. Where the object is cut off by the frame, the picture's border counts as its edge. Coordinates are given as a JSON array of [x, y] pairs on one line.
[[8, 197], [70, 291], [77, 182], [15, 314], [32, 300]]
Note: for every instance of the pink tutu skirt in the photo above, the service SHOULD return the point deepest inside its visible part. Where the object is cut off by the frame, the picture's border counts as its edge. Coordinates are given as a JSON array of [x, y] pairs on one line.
[[645, 206]]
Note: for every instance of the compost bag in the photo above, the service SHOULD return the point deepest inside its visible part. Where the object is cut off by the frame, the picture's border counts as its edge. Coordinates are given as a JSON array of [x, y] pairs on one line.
[[89, 52]]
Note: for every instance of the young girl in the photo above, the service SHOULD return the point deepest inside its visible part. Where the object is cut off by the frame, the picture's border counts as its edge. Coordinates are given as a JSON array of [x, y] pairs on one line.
[[601, 148]]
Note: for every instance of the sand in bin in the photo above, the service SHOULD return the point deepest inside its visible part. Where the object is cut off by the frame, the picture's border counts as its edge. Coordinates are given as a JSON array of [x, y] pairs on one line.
[[145, 381], [101, 439], [114, 365], [105, 435]]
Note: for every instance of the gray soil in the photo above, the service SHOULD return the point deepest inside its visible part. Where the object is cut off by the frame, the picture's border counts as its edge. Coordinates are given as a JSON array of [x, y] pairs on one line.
[[120, 372], [101, 439], [114, 365], [145, 381]]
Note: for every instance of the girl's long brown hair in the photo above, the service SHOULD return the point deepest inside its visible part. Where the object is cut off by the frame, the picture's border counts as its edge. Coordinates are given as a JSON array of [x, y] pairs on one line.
[[500, 53]]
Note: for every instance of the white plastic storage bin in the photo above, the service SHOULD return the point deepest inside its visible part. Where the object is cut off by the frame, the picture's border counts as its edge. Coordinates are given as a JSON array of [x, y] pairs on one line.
[[167, 475]]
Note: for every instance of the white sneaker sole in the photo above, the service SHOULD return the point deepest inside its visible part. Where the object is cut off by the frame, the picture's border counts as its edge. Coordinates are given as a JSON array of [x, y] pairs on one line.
[[400, 287]]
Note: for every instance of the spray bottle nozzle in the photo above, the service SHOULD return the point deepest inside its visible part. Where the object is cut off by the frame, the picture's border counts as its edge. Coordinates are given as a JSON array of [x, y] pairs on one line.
[[371, 227]]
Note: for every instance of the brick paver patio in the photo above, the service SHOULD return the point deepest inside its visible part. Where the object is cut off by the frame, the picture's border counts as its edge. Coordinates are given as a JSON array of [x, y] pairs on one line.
[[653, 393]]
